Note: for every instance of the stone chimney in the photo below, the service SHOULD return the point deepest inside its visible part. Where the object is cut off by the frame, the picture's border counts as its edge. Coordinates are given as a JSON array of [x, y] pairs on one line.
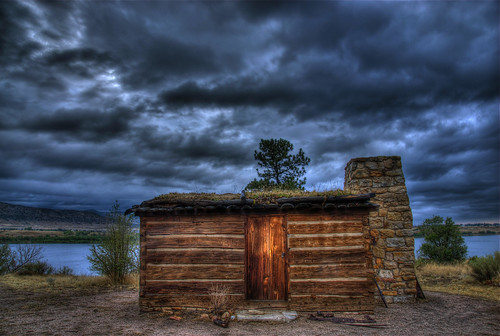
[[390, 227]]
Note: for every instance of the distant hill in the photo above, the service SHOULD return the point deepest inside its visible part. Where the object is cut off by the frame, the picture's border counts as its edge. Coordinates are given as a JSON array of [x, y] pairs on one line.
[[474, 229], [21, 217]]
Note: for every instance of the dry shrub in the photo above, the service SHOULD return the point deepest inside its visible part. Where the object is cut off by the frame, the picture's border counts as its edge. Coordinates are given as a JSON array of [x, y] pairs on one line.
[[220, 298], [486, 269], [132, 281], [455, 279]]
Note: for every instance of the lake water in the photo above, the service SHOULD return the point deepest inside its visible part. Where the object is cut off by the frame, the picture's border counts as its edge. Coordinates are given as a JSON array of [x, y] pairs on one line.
[[75, 255], [478, 246], [72, 255]]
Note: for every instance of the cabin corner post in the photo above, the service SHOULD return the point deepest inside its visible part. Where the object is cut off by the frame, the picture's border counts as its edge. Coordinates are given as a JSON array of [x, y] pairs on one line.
[[142, 263], [390, 226]]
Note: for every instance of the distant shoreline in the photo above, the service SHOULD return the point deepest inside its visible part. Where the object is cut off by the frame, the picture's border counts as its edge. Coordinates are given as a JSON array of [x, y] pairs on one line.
[[468, 230], [13, 236]]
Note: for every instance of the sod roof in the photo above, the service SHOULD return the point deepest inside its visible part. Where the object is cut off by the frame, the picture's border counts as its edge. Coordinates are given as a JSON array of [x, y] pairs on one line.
[[271, 200]]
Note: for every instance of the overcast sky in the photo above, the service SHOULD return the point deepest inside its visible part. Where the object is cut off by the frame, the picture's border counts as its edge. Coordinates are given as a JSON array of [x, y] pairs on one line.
[[105, 100]]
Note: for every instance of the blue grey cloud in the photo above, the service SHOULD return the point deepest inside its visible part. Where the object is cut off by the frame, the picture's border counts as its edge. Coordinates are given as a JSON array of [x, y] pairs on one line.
[[126, 100]]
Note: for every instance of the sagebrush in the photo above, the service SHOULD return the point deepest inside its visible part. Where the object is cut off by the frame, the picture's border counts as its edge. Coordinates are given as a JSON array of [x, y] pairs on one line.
[[487, 268]]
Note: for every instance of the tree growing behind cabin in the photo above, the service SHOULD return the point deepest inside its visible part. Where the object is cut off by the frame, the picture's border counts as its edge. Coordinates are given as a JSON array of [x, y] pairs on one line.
[[443, 241], [117, 255], [279, 168]]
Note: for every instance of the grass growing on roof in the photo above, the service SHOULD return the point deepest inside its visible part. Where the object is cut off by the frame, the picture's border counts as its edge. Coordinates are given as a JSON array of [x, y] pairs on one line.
[[272, 195], [196, 197], [267, 196]]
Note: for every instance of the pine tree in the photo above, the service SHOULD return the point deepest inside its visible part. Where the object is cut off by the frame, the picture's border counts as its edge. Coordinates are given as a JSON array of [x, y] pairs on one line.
[[278, 167]]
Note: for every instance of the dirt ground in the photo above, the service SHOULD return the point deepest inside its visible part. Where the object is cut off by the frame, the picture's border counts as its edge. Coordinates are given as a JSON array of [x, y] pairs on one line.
[[117, 313]]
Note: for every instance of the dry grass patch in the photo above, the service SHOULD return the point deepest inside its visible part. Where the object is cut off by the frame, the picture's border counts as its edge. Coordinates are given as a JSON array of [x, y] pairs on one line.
[[61, 284], [445, 271], [454, 279]]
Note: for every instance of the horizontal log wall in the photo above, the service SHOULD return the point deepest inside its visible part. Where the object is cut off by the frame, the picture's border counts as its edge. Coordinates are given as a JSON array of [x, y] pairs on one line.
[[183, 256], [329, 257]]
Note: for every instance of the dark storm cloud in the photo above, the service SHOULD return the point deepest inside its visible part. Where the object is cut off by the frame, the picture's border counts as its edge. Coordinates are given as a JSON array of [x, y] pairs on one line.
[[12, 41], [184, 149], [89, 125], [244, 92], [168, 57], [100, 99], [79, 60], [374, 66], [154, 52]]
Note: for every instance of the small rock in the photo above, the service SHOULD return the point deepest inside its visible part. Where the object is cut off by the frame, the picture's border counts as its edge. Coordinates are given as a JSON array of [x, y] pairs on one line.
[[176, 318], [167, 311], [205, 317]]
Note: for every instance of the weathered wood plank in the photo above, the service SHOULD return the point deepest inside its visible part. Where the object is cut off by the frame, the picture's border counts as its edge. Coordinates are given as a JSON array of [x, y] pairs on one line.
[[212, 218], [217, 241], [207, 227], [300, 303], [341, 287], [352, 215], [278, 246], [142, 256], [324, 227], [315, 241], [257, 257], [332, 303], [328, 271], [158, 301], [265, 266], [195, 256], [327, 256], [177, 272], [190, 287]]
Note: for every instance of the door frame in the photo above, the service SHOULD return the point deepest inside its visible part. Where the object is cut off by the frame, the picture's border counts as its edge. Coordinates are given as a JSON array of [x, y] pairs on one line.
[[284, 224]]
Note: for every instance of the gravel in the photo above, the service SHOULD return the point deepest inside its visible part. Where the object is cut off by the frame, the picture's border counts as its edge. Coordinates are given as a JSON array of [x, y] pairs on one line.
[[117, 313]]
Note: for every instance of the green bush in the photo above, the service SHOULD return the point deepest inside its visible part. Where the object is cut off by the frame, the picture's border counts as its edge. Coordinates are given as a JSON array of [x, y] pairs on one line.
[[36, 268], [116, 256], [443, 241], [486, 268]]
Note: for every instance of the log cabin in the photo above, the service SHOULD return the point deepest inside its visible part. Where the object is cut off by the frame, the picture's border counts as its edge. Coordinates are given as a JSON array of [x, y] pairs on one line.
[[307, 252], [310, 253]]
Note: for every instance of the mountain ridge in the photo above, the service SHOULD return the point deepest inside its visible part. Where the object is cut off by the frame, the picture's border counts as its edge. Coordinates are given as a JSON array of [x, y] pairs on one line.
[[14, 216]]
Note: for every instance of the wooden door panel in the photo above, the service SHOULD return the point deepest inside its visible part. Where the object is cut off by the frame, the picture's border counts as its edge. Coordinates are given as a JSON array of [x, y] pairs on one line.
[[256, 265], [265, 259], [278, 264]]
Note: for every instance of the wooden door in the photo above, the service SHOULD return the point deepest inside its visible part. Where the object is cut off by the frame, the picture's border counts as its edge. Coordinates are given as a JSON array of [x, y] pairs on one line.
[[266, 276]]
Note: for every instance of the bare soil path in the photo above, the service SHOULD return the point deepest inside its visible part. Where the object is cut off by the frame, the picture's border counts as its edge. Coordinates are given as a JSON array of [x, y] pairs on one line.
[[117, 313]]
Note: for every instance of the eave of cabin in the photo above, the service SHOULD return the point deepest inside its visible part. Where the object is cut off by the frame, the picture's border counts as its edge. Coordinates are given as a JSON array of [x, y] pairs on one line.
[[231, 203]]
